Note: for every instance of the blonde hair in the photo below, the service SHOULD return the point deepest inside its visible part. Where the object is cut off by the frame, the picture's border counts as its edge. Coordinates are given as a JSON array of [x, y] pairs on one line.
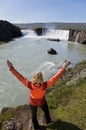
[[37, 78]]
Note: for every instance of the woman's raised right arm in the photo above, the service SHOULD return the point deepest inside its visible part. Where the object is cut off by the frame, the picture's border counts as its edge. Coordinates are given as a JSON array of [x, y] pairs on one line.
[[21, 78]]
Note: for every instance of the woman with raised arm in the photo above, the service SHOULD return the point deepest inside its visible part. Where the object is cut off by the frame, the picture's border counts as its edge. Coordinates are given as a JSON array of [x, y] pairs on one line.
[[38, 89]]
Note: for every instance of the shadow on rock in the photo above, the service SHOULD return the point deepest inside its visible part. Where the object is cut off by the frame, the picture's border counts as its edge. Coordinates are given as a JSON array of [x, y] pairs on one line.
[[42, 127], [61, 125]]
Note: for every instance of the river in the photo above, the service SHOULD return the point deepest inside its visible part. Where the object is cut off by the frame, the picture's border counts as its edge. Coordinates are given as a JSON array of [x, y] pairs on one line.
[[28, 55]]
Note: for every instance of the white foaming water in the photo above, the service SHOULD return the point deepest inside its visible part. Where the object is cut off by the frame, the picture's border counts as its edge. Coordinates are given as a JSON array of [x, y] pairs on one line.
[[61, 34], [48, 68], [29, 33], [50, 33]]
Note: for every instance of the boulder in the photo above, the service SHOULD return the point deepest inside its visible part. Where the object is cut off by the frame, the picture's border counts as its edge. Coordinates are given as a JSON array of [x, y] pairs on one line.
[[52, 51]]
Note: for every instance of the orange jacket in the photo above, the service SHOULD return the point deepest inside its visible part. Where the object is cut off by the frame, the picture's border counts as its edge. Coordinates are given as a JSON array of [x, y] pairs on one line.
[[37, 94]]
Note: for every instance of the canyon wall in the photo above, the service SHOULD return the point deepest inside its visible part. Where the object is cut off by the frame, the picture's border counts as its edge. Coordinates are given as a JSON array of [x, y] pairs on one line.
[[77, 36]]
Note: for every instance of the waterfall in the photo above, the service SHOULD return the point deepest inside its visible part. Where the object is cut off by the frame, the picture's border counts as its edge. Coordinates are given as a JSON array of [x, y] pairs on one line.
[[48, 33], [77, 37], [29, 33], [61, 34]]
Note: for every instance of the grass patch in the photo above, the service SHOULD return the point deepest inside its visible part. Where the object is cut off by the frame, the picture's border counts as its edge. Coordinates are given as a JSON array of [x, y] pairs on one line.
[[68, 103]]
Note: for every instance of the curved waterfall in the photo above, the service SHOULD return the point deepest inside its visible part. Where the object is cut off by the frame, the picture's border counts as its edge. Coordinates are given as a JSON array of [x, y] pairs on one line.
[[49, 33]]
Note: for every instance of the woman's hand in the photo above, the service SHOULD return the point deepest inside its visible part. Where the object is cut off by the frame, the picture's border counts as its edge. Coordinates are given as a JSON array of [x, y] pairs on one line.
[[66, 63], [9, 64]]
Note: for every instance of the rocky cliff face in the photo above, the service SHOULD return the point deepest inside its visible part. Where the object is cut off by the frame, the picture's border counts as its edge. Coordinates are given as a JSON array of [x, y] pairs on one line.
[[77, 36], [8, 31]]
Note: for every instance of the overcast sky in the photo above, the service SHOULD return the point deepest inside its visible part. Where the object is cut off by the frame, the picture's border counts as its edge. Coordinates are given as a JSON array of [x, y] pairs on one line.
[[31, 11]]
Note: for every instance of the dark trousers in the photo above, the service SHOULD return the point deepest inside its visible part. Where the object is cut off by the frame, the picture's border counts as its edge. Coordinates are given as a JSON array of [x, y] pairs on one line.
[[34, 114]]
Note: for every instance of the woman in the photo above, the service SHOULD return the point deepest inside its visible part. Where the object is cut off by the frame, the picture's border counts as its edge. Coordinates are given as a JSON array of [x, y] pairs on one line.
[[38, 89]]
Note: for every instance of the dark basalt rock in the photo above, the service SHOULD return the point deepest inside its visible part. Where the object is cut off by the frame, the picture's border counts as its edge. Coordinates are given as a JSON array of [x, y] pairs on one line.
[[51, 39], [8, 31], [52, 51], [84, 42], [38, 31]]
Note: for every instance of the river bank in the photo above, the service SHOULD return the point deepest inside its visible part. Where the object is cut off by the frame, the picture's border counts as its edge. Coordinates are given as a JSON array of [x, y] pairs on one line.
[[67, 103]]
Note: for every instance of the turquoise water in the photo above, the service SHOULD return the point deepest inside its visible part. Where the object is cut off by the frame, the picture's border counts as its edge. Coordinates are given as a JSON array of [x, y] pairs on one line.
[[29, 55]]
